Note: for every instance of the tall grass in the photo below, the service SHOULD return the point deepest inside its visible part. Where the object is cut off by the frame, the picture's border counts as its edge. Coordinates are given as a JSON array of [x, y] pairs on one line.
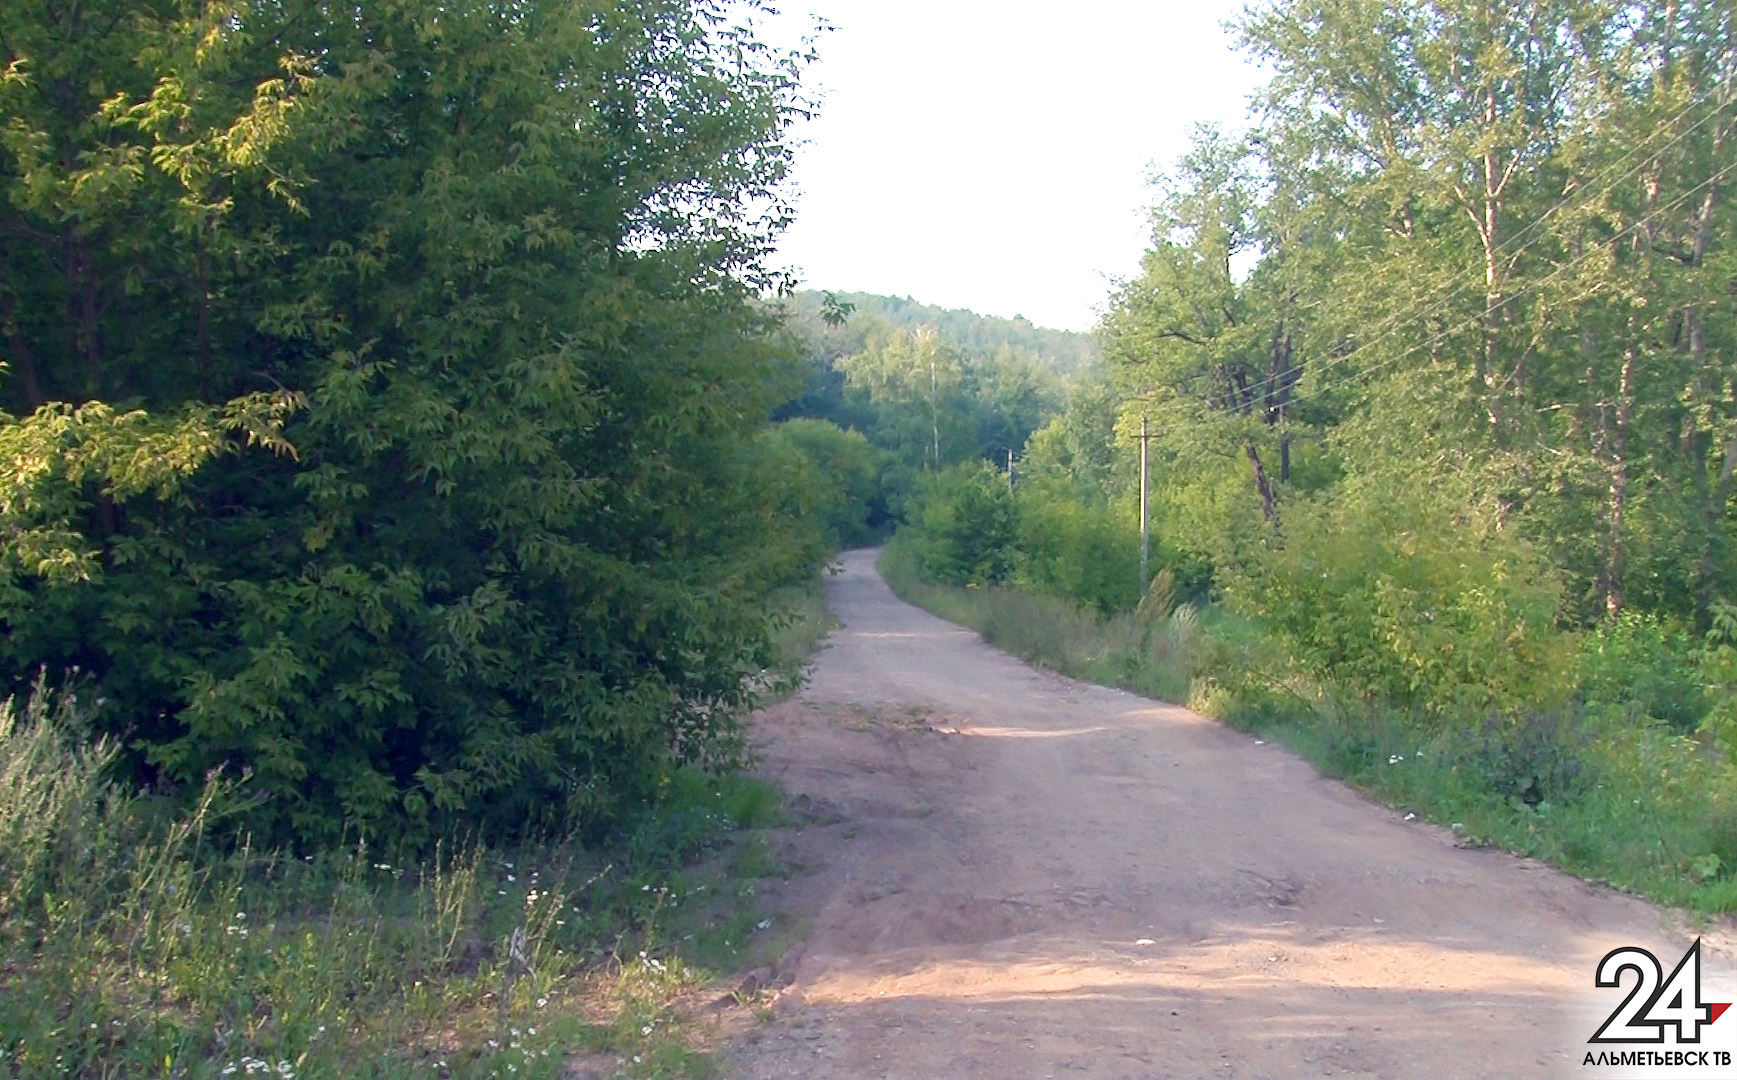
[[1637, 806], [133, 943], [1151, 651], [803, 621]]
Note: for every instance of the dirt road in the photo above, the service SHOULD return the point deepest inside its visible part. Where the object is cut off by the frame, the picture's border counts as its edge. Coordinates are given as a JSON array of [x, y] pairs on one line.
[[1005, 873]]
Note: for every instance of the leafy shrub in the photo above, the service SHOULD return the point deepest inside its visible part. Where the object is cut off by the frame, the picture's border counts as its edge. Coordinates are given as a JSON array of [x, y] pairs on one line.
[[838, 480], [1716, 662], [965, 529], [1088, 552], [1395, 598], [1643, 666]]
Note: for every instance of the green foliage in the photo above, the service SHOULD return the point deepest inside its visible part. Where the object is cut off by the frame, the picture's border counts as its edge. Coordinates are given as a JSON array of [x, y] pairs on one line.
[[965, 526], [1078, 445], [918, 383], [834, 479], [59, 450], [1088, 552], [488, 285], [930, 393], [1397, 599], [1642, 666], [865, 315], [1716, 660]]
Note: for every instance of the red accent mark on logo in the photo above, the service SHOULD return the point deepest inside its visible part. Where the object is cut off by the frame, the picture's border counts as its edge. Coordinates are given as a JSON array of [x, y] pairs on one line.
[[1718, 1008]]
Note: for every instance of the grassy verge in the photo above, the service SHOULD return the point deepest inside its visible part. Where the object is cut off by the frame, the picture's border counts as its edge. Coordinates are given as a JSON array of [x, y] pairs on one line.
[[1602, 793], [131, 946], [804, 624], [1151, 657]]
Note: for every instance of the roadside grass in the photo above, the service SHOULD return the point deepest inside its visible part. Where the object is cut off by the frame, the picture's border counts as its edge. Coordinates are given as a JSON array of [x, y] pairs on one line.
[[1605, 793], [1638, 807], [803, 625], [1148, 656], [136, 941]]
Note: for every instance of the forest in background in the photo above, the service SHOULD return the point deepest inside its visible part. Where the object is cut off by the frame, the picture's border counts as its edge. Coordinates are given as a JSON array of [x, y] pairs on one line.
[[901, 390]]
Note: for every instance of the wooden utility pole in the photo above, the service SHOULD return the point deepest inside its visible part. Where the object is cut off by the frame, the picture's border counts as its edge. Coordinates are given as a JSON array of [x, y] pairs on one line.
[[1010, 468], [1145, 531]]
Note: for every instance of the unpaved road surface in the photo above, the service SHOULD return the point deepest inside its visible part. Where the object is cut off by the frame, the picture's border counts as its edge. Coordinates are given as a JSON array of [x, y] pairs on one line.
[[1005, 873]]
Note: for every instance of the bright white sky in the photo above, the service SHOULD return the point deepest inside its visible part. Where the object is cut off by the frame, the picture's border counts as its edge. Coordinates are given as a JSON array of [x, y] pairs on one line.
[[995, 155]]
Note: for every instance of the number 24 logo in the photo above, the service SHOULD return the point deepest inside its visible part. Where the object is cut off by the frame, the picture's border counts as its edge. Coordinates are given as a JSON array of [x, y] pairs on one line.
[[1655, 1001]]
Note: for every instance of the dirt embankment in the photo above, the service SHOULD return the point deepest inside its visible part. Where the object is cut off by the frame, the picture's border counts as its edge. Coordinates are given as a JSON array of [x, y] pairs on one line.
[[1007, 873]]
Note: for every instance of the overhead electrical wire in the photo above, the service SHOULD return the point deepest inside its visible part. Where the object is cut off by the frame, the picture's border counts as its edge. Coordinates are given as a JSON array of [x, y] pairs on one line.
[[1394, 322]]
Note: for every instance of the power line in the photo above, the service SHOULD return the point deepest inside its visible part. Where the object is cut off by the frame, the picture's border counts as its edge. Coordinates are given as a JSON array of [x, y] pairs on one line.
[[1530, 286], [1393, 323]]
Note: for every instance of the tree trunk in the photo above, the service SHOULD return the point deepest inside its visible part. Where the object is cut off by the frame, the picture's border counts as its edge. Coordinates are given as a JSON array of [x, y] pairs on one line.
[[1613, 597], [1489, 231], [1269, 498], [20, 352]]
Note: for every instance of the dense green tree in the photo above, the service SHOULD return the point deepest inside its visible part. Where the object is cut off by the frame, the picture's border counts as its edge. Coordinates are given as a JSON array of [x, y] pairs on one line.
[[1207, 353], [1479, 250], [1078, 445], [836, 480], [484, 276]]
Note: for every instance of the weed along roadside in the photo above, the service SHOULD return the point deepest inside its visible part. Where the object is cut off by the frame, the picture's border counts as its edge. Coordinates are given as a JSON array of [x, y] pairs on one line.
[[145, 942]]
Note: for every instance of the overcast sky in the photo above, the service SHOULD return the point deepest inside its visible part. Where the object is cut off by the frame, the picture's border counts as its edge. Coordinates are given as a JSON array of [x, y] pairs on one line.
[[994, 156]]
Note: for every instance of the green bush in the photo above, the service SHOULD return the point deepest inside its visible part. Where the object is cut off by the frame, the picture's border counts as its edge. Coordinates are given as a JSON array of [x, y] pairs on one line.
[[1088, 552], [965, 526], [1643, 666], [1716, 668], [837, 480], [1398, 600]]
